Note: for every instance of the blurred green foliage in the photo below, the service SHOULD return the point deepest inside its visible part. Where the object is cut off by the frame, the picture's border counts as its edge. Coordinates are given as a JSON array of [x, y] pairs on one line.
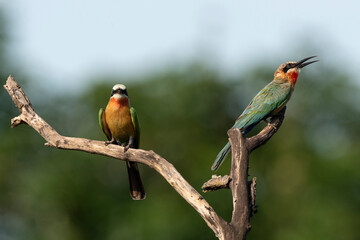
[[308, 173]]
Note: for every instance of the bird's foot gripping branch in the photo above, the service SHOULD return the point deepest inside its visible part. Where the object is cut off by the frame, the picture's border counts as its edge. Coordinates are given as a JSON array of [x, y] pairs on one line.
[[243, 191]]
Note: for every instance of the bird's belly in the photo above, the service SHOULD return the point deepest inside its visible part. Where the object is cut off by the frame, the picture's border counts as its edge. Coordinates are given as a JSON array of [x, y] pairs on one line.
[[120, 124]]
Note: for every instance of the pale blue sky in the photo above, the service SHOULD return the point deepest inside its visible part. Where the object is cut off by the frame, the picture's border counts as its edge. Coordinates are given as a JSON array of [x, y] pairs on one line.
[[66, 42]]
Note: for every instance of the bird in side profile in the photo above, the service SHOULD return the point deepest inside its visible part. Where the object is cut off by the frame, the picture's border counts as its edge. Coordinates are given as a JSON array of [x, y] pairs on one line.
[[120, 124], [269, 101]]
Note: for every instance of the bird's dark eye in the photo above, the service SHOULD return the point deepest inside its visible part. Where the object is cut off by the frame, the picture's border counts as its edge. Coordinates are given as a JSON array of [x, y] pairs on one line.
[[124, 91], [119, 91], [287, 67]]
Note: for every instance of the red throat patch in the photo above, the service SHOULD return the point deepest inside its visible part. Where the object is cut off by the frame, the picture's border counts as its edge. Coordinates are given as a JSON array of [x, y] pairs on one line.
[[120, 102], [293, 76]]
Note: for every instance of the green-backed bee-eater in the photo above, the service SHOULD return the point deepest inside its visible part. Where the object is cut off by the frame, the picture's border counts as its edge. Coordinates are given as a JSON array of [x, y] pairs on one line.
[[269, 101], [120, 124]]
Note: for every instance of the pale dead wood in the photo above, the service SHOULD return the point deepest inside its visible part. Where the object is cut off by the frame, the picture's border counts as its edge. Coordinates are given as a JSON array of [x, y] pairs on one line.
[[240, 220], [149, 158], [243, 192], [216, 183], [253, 196]]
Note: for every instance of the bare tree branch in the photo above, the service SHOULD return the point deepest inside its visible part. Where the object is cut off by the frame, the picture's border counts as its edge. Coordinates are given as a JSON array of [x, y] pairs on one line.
[[216, 183], [243, 191], [150, 158], [262, 137], [240, 220], [253, 196]]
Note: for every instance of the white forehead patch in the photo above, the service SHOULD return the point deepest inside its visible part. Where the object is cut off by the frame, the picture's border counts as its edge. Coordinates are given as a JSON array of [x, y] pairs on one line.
[[119, 86]]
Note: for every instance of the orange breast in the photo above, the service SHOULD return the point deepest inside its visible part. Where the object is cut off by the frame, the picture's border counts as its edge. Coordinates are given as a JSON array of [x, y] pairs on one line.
[[119, 121]]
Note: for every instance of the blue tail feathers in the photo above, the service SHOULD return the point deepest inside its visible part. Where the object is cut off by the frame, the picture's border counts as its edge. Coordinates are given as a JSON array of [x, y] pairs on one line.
[[221, 156]]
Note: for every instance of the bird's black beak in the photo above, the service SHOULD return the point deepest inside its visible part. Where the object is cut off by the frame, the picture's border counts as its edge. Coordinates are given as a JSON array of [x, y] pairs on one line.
[[302, 63]]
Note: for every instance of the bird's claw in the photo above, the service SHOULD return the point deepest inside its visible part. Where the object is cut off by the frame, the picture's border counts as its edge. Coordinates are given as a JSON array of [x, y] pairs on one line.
[[126, 147], [112, 141], [273, 125], [268, 120], [130, 144]]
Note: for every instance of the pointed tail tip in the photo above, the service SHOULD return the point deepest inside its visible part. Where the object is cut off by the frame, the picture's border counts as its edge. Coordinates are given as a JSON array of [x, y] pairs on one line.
[[221, 157], [215, 166], [138, 195], [218, 161]]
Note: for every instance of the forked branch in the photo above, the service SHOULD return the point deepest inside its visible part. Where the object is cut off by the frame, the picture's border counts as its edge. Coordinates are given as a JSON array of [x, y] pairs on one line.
[[243, 191], [238, 183]]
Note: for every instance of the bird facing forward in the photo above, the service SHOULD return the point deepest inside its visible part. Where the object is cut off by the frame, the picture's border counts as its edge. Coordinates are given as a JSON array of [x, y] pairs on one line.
[[120, 124], [269, 101]]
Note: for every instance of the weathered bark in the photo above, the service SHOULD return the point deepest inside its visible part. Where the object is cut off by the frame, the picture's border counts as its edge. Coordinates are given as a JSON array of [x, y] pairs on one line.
[[243, 193], [216, 183]]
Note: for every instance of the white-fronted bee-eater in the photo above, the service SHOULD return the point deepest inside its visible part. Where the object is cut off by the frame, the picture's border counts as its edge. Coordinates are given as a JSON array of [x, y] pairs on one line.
[[269, 101], [120, 124]]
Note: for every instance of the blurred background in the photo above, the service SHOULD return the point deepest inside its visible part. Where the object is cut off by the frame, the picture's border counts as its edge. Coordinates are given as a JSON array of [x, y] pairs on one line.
[[190, 68]]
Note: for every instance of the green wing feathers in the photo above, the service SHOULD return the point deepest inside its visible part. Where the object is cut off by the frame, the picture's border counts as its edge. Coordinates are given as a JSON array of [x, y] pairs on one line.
[[270, 98], [137, 190], [103, 124], [101, 112], [135, 122]]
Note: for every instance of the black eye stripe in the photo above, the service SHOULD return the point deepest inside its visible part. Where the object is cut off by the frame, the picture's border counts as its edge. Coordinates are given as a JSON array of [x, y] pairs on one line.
[[123, 91], [120, 91], [287, 67]]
